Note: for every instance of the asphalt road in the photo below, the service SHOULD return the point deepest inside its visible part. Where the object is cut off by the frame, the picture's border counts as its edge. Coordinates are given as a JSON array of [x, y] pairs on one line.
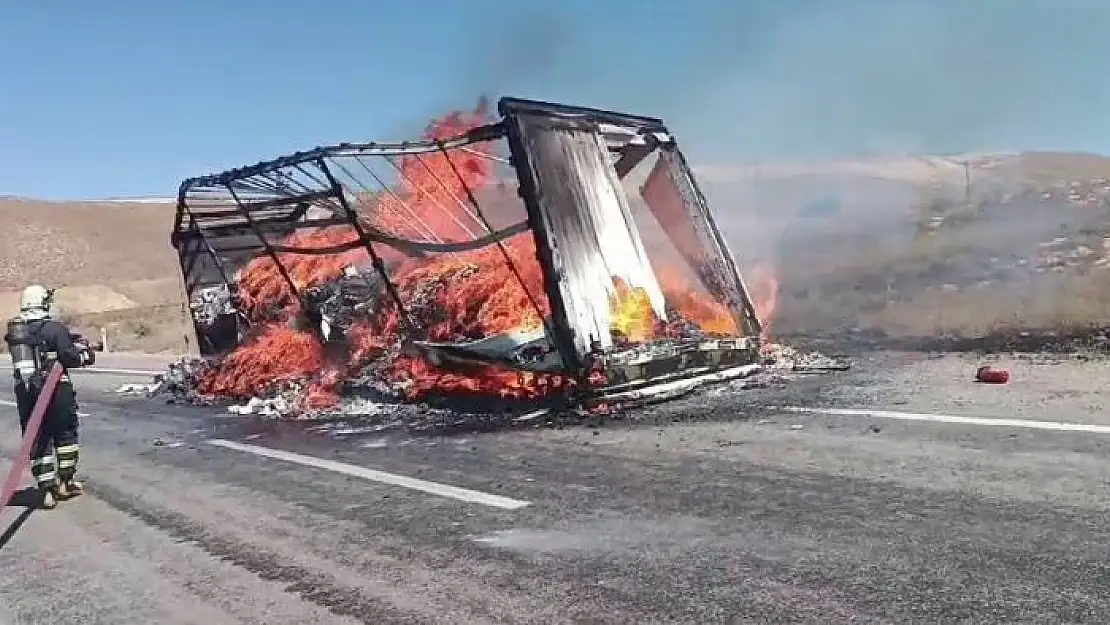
[[714, 510]]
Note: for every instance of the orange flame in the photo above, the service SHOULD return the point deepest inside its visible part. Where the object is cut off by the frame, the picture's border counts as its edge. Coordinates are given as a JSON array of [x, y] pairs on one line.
[[634, 320], [455, 297], [763, 287], [631, 315]]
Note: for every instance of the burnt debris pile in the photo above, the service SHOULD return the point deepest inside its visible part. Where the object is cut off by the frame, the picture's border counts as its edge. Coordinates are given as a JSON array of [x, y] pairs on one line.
[[373, 403]]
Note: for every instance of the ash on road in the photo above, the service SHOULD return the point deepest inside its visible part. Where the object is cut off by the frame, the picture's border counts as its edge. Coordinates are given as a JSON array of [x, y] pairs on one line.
[[712, 509]]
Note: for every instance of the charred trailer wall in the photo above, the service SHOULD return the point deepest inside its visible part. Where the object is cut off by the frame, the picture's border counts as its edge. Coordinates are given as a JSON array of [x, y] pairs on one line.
[[676, 201], [571, 164], [590, 226]]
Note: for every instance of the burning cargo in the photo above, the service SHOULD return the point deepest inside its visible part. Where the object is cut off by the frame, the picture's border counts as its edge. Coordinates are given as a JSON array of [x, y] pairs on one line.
[[554, 253]]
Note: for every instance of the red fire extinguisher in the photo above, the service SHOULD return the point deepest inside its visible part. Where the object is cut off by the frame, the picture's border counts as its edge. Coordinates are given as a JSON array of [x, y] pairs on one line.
[[989, 375]]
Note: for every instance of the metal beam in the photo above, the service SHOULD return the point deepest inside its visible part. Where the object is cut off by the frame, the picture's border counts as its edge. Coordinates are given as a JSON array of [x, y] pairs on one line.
[[487, 132], [271, 253], [558, 328], [375, 260]]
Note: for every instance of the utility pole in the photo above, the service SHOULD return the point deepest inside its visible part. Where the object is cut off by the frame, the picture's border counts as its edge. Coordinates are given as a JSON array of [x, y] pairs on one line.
[[967, 183]]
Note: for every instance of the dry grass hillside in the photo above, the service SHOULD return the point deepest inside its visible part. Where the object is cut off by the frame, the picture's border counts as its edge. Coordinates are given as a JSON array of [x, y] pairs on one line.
[[111, 262], [899, 249]]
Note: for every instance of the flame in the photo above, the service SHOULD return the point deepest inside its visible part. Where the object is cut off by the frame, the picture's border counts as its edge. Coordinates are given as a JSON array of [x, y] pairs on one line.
[[274, 356], [763, 288], [634, 320], [708, 314], [454, 297], [631, 315]]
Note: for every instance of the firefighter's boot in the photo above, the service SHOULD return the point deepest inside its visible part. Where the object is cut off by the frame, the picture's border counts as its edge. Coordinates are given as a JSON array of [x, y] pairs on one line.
[[46, 478], [49, 501], [61, 493], [68, 455]]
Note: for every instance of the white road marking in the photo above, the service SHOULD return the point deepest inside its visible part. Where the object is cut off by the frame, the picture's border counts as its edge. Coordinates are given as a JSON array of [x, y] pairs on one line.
[[5, 402], [1057, 426], [432, 488], [142, 372]]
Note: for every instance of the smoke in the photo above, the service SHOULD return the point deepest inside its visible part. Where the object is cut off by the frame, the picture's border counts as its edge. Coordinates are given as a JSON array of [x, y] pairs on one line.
[[763, 95], [913, 261], [864, 84], [744, 82], [525, 48]]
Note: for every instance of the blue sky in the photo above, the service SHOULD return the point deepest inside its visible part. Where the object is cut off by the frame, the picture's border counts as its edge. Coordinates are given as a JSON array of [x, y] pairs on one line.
[[120, 97]]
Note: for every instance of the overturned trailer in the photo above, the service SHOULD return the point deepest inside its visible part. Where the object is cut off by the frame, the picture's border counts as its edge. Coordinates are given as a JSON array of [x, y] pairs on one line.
[[603, 205]]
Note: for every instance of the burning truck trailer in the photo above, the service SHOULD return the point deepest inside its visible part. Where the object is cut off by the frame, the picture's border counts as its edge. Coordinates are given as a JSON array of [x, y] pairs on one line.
[[548, 255]]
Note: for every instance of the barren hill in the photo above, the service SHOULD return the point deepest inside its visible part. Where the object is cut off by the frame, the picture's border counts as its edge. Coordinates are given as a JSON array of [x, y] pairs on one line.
[[846, 236], [78, 244], [112, 262]]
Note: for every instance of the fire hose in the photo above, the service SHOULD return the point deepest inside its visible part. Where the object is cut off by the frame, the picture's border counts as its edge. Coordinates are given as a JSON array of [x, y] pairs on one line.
[[33, 426]]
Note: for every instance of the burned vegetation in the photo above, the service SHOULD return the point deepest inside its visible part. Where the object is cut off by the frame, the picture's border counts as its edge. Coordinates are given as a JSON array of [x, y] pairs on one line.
[[547, 255]]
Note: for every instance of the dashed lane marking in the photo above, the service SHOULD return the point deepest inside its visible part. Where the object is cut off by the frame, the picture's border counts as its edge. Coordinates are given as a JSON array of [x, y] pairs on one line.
[[424, 486], [1056, 426]]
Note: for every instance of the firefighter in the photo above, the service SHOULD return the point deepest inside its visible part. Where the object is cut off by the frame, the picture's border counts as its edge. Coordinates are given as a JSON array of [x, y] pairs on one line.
[[36, 341]]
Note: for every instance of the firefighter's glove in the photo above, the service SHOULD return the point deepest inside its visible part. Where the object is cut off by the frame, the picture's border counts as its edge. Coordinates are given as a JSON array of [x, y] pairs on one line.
[[85, 352]]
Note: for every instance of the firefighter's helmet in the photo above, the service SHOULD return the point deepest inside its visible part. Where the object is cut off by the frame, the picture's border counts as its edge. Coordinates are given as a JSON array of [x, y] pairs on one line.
[[36, 302]]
